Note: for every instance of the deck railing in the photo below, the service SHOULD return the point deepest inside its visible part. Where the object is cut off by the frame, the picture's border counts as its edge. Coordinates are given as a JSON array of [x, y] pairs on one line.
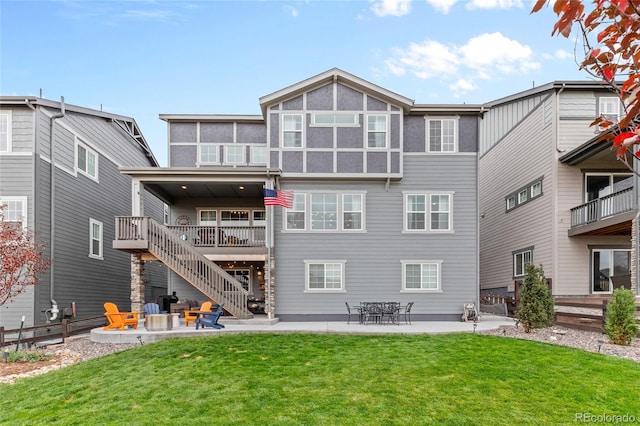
[[604, 207], [186, 261], [221, 236]]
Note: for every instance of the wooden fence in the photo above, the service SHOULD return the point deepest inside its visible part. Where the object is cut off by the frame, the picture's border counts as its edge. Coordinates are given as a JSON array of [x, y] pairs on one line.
[[49, 332]]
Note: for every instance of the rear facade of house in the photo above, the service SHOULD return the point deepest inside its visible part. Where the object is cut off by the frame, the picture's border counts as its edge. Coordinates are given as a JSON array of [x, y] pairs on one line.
[[59, 170], [552, 196], [384, 204]]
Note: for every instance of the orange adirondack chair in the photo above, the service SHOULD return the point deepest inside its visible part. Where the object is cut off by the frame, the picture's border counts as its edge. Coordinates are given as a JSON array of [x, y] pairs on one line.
[[119, 319], [192, 315]]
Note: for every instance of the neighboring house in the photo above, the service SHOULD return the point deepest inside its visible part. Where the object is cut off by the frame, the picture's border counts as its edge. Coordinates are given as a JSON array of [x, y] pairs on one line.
[[551, 196], [80, 197], [384, 208]]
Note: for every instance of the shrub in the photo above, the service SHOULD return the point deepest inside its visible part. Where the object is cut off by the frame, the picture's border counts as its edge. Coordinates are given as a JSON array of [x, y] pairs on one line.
[[26, 356], [535, 308], [620, 320]]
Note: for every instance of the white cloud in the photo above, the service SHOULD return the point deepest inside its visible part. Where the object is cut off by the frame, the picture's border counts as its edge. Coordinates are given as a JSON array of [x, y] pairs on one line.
[[463, 86], [144, 15], [425, 60], [391, 7], [292, 11], [494, 4], [442, 5], [488, 53]]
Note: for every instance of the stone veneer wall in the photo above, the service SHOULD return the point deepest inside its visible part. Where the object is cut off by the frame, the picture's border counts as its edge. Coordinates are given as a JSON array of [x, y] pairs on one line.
[[137, 283], [634, 254]]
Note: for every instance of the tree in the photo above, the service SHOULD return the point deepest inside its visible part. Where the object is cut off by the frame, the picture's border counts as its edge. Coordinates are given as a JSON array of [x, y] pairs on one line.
[[535, 307], [610, 32], [620, 320], [21, 259]]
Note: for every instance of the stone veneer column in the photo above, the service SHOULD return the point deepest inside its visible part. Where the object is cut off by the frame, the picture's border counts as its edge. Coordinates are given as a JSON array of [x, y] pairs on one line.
[[272, 286], [137, 283], [634, 255]]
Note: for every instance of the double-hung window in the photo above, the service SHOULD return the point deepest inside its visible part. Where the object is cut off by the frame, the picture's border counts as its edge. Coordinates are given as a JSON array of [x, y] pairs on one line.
[[234, 154], [5, 132], [296, 214], [209, 154], [324, 275], [521, 258], [609, 108], [95, 240], [352, 212], [292, 130], [442, 135], [86, 160], [428, 212], [15, 210], [421, 275], [376, 131]]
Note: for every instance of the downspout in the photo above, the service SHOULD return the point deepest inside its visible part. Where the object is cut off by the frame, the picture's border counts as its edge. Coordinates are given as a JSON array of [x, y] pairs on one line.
[[556, 212], [53, 312]]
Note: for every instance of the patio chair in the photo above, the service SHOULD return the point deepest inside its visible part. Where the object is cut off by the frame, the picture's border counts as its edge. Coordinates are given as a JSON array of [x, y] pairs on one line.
[[151, 308], [210, 319], [407, 313], [372, 311], [349, 313], [192, 315], [119, 320]]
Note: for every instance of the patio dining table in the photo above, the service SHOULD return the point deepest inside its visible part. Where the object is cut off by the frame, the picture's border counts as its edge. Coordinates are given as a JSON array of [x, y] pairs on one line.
[[379, 312]]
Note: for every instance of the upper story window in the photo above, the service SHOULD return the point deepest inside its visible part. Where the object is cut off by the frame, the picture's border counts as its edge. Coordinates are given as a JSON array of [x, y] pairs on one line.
[[421, 275], [258, 154], [525, 194], [95, 239], [208, 154], [609, 108], [86, 160], [326, 212], [334, 119], [15, 210], [5, 132], [292, 130], [442, 135], [376, 131], [324, 275], [428, 212], [234, 154]]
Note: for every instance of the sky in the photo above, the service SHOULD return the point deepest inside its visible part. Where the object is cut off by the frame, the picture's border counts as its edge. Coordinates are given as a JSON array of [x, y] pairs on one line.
[[144, 58]]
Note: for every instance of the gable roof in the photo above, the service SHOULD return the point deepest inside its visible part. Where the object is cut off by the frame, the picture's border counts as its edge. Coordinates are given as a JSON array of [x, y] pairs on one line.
[[334, 74]]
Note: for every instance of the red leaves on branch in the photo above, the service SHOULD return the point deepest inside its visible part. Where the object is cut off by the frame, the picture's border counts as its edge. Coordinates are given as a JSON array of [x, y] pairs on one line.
[[21, 259]]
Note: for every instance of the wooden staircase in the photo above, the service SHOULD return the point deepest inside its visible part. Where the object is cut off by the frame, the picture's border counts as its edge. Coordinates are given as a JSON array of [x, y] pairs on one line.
[[143, 234]]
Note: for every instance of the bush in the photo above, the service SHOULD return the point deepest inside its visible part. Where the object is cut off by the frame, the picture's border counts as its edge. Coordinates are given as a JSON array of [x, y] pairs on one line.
[[535, 308], [620, 320], [26, 356]]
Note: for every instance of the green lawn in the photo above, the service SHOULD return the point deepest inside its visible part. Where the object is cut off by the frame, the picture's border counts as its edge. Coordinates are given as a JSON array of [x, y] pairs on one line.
[[325, 379]]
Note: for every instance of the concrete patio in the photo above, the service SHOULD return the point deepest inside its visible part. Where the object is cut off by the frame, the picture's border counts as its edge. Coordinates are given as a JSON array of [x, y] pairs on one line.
[[264, 325]]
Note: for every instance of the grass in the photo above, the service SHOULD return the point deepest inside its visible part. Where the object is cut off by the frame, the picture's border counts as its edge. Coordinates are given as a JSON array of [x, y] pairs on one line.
[[324, 379]]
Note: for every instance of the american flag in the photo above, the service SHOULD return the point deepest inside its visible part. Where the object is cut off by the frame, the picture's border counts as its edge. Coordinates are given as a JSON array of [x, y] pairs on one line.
[[278, 198]]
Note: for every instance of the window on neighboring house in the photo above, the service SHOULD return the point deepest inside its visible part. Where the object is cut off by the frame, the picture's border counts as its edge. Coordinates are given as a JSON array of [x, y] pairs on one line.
[[609, 108], [292, 130], [15, 210], [325, 275], [607, 264], [234, 154], [442, 135], [324, 211], [352, 211], [525, 194], [521, 258], [428, 212], [296, 214], [334, 119], [421, 275], [95, 243], [5, 132], [377, 131], [165, 215], [208, 154], [258, 154], [87, 160]]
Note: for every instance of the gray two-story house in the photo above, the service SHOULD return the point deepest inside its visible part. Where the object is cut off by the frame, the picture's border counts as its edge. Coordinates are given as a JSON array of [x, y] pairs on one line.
[[384, 204], [551, 195], [59, 176]]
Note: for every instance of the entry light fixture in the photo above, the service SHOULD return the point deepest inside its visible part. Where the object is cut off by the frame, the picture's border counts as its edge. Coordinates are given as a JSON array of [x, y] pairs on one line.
[[183, 187], [241, 188]]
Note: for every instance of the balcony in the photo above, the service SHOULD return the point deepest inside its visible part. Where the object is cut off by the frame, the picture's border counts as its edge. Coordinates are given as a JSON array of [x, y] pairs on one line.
[[608, 215]]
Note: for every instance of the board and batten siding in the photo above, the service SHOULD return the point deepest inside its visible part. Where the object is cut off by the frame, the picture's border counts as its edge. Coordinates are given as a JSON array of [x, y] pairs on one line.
[[524, 155], [373, 270]]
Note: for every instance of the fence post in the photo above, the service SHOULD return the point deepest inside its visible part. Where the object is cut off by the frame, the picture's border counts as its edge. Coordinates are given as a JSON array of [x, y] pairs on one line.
[[1, 337], [605, 302], [65, 330]]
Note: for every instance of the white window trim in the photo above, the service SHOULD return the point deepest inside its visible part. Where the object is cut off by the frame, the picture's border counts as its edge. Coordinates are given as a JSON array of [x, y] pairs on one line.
[[342, 288], [456, 137], [301, 131], [209, 145], [25, 212], [386, 131], [334, 123], [428, 229], [343, 211], [524, 265], [340, 213], [609, 101], [404, 288], [252, 154], [80, 143], [227, 151], [9, 135], [92, 255]]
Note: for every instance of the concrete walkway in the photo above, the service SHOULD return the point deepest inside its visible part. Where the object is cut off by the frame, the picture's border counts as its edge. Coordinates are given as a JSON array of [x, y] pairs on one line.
[[141, 335]]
